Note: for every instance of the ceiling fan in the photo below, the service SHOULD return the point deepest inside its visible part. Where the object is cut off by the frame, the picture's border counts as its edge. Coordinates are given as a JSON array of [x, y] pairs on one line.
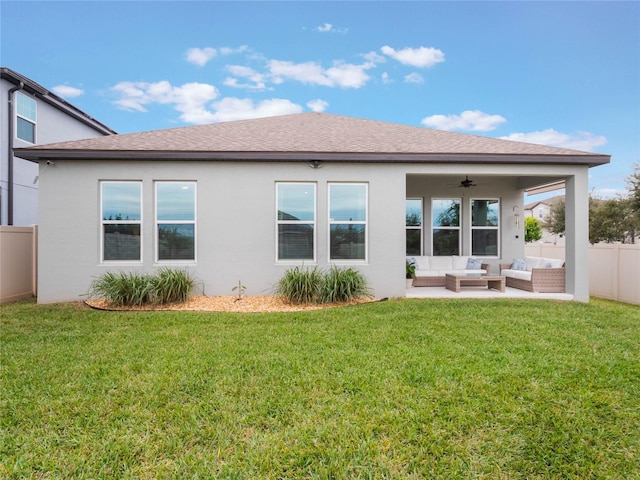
[[466, 183]]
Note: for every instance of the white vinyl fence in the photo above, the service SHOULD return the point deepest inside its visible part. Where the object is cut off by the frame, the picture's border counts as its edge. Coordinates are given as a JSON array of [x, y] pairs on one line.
[[614, 269], [18, 262]]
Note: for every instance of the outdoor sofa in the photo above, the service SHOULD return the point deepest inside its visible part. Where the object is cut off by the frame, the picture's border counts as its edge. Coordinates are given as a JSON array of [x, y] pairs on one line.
[[535, 274], [431, 270]]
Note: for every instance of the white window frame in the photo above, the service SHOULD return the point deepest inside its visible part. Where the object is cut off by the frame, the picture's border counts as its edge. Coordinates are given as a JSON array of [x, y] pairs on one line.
[[419, 227], [193, 222], [486, 227], [364, 222], [32, 121], [104, 222], [458, 228], [313, 223]]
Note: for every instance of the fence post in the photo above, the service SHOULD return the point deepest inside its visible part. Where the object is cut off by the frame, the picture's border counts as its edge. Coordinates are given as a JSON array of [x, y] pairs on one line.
[[34, 264]]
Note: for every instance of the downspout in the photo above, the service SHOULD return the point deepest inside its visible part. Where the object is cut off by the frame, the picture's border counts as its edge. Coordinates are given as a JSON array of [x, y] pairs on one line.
[[10, 124]]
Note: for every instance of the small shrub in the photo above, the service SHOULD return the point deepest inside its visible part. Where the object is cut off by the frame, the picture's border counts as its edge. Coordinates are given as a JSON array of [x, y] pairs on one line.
[[123, 289], [134, 289], [300, 286], [172, 285], [343, 285]]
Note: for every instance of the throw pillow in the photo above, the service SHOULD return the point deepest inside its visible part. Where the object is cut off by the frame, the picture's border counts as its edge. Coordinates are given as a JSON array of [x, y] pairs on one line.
[[474, 264], [519, 264]]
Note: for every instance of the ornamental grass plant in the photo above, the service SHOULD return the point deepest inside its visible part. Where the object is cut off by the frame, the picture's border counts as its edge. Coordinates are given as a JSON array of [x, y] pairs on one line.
[[302, 286], [123, 289], [132, 289], [343, 285], [172, 285]]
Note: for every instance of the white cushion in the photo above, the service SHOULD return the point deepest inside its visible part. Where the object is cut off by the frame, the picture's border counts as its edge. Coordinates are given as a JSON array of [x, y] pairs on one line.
[[424, 263], [459, 263], [520, 274], [441, 263], [534, 262], [552, 263]]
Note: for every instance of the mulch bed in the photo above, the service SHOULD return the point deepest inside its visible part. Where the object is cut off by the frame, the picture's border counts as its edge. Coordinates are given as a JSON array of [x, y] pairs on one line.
[[228, 304]]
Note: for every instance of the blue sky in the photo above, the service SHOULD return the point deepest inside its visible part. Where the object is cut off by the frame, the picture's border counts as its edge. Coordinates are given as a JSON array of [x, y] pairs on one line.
[[564, 73]]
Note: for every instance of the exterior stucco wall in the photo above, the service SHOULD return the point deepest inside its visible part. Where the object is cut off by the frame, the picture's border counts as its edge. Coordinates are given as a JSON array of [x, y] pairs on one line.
[[236, 219], [52, 125], [236, 223]]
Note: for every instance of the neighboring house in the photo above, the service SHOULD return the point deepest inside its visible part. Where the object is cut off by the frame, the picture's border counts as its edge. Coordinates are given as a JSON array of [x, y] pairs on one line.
[[32, 115], [540, 210], [245, 200]]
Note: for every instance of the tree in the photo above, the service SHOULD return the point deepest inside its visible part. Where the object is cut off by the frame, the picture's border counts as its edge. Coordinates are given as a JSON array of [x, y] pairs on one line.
[[633, 182], [555, 220], [608, 220], [532, 229]]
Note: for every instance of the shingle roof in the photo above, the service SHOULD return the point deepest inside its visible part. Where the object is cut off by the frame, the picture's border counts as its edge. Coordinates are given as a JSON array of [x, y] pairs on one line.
[[317, 135], [52, 99]]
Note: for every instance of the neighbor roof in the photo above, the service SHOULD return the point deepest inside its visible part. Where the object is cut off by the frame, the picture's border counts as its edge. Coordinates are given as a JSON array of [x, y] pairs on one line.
[[52, 99], [309, 136]]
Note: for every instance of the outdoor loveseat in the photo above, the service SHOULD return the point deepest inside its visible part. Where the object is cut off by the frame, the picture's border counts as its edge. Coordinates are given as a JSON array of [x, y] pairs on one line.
[[431, 270], [535, 274]]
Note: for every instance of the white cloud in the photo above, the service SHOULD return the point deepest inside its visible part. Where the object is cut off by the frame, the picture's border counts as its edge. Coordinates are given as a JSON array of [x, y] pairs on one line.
[[230, 51], [344, 75], [473, 120], [67, 91], [318, 105], [414, 78], [195, 103], [329, 28], [584, 141], [416, 57], [385, 78], [374, 57], [231, 108], [257, 79], [189, 99], [200, 56]]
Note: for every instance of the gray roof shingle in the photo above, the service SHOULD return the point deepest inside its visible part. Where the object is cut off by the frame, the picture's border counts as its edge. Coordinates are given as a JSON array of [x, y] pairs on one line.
[[304, 134]]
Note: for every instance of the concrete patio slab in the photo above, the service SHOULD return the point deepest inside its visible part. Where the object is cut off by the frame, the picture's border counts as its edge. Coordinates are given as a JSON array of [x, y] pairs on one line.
[[482, 292]]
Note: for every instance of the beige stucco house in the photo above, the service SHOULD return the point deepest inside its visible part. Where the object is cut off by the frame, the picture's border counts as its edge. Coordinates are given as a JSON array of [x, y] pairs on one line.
[[245, 200]]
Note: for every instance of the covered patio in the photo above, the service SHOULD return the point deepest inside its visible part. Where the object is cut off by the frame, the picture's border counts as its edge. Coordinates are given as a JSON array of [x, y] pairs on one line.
[[488, 221]]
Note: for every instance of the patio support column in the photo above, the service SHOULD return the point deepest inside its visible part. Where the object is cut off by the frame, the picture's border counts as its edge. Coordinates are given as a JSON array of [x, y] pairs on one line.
[[577, 235]]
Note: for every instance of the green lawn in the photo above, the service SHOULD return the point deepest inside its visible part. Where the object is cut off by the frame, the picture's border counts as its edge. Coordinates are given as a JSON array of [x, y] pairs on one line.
[[494, 389]]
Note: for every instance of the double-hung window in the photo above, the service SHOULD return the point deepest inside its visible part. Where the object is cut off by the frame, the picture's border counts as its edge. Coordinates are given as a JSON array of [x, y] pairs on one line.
[[445, 230], [25, 118], [121, 220], [348, 210], [296, 218], [414, 226], [485, 226], [175, 221]]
